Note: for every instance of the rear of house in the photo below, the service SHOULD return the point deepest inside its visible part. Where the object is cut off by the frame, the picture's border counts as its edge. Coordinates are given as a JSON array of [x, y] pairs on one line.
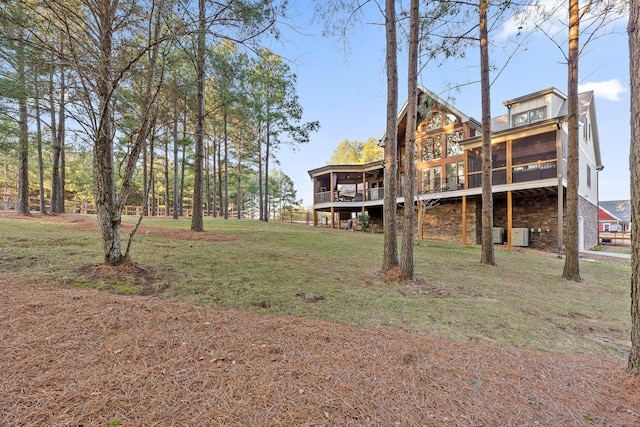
[[529, 150]]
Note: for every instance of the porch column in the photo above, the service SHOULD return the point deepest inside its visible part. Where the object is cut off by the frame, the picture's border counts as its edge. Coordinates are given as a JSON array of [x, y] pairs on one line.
[[509, 218], [364, 187], [420, 219], [560, 214], [464, 220], [315, 218], [331, 190], [333, 217]]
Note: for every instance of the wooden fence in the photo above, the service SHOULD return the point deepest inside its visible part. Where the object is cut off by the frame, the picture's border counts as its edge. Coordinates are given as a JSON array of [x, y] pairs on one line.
[[8, 203]]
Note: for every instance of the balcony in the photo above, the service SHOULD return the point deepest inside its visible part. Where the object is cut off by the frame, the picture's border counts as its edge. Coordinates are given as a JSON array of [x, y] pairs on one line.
[[372, 194]]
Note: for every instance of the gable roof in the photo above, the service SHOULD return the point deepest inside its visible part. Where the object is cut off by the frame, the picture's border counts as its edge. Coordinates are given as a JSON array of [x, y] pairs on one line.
[[620, 209], [424, 92]]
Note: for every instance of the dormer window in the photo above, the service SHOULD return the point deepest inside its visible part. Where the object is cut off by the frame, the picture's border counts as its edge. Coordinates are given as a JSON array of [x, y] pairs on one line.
[[529, 116]]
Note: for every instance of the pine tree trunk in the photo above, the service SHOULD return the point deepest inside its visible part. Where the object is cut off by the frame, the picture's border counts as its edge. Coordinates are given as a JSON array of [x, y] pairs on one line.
[[487, 255], [390, 227], [571, 263], [167, 185], [196, 211], [266, 172], [103, 172], [176, 169], [260, 186], [406, 258], [55, 146], [36, 102], [22, 205], [634, 163]]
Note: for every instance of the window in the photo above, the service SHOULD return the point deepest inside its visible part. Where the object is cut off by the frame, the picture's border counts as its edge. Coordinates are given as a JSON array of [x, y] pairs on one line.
[[520, 119], [453, 145], [588, 176], [586, 130], [450, 119], [431, 179], [434, 121], [537, 114], [455, 176], [606, 227], [530, 116], [431, 148], [534, 148]]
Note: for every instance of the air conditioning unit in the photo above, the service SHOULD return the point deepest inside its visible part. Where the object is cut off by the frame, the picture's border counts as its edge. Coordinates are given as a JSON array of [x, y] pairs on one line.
[[498, 235], [519, 237]]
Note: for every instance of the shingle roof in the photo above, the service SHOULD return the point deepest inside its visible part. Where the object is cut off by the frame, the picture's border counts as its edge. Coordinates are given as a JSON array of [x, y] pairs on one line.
[[620, 208]]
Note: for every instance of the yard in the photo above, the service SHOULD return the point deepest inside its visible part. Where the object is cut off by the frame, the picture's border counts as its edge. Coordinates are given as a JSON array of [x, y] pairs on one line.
[[276, 324]]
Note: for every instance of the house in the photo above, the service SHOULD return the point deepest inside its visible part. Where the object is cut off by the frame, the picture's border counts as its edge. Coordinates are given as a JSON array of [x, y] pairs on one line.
[[529, 159], [614, 217]]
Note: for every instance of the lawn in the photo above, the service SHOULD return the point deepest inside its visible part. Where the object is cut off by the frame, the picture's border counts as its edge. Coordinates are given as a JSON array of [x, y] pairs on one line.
[[268, 324], [320, 273]]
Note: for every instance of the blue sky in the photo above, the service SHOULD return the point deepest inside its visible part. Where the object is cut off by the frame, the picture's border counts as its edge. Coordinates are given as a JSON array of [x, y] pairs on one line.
[[346, 91]]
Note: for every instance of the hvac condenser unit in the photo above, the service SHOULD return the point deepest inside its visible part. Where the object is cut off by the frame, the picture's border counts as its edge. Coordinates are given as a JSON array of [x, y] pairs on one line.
[[498, 235], [519, 237]]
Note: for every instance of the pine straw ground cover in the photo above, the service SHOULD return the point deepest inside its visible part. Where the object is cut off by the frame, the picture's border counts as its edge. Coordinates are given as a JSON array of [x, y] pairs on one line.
[[87, 358], [81, 357]]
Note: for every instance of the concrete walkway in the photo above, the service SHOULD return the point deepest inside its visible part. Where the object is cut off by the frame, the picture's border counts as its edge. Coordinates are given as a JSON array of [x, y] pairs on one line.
[[610, 254]]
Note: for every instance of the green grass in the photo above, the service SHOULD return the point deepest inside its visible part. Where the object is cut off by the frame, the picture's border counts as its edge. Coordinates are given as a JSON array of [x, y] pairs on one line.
[[333, 275]]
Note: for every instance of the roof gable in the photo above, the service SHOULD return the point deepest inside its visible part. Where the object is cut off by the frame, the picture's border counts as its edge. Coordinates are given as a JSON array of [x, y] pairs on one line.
[[620, 209]]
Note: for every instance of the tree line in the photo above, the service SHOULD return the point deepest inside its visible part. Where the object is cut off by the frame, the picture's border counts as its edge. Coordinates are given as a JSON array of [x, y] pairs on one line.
[[165, 100]]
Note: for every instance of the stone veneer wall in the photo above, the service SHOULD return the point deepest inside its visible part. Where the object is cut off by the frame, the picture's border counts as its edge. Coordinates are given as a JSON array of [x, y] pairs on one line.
[[444, 222], [589, 213], [537, 212]]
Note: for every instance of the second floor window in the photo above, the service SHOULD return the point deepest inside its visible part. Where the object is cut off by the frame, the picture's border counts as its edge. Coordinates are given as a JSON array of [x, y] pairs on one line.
[[453, 145], [530, 116], [431, 148], [434, 121]]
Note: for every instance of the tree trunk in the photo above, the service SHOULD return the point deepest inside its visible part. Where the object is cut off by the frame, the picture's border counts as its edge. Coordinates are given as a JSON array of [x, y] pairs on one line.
[[22, 205], [390, 257], [207, 178], [214, 172], [183, 161], [145, 182], [634, 164], [55, 146], [239, 179], [36, 103], [176, 169], [406, 258], [266, 170], [103, 172], [196, 213], [61, 143], [226, 166], [260, 187], [219, 187], [152, 174], [167, 185], [487, 256], [571, 263]]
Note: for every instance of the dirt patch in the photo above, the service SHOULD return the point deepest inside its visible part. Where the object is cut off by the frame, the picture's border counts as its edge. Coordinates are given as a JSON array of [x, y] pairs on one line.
[[126, 278]]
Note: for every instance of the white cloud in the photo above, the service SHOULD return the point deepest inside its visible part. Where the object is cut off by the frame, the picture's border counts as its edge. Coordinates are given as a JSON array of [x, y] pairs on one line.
[[608, 89], [551, 17]]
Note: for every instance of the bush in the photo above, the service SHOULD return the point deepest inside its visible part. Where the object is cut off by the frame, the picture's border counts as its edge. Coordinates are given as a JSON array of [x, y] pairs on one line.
[[363, 222]]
